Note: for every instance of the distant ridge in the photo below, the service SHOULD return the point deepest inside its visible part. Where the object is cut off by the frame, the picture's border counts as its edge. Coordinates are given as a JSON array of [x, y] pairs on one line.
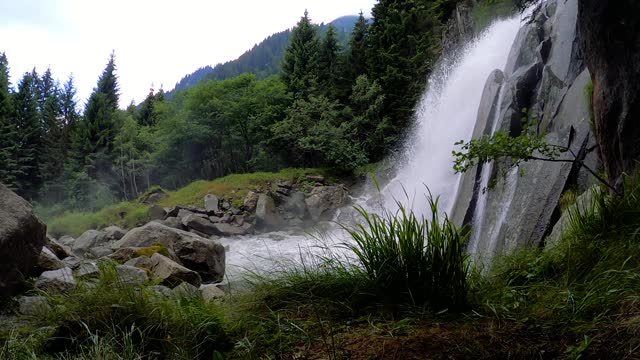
[[263, 59]]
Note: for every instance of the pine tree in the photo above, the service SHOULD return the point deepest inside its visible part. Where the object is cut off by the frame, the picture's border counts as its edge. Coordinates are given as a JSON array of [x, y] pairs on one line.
[[8, 131], [329, 64], [357, 55], [29, 135], [148, 115], [300, 64], [68, 105], [100, 122]]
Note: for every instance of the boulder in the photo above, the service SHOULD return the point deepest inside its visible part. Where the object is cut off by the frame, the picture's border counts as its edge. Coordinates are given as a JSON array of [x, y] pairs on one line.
[[161, 291], [202, 255], [131, 276], [172, 273], [60, 280], [200, 224], [87, 270], [157, 212], [141, 262], [324, 200], [250, 201], [211, 204], [172, 222], [49, 261], [210, 292], [267, 215], [114, 232], [61, 251], [315, 178], [185, 291], [33, 305], [72, 262], [223, 229], [22, 236], [153, 196], [66, 240], [88, 240], [99, 252], [583, 204]]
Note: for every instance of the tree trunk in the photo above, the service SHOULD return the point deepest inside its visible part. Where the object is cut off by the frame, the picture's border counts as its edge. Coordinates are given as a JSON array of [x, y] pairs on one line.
[[610, 36]]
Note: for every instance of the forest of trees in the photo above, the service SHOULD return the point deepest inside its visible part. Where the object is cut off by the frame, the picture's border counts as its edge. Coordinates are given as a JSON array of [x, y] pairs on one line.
[[331, 105]]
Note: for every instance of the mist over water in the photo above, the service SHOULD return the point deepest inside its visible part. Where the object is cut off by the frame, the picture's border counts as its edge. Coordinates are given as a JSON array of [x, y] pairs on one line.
[[447, 113]]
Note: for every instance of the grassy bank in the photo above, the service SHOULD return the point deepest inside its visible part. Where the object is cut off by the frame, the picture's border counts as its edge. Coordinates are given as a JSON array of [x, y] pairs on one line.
[[408, 294], [130, 214]]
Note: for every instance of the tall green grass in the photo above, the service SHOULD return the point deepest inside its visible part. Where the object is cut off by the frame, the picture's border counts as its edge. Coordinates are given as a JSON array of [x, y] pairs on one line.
[[413, 260]]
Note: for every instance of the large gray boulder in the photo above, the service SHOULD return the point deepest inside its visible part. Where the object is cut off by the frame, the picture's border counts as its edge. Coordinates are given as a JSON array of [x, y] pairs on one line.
[[324, 201], [33, 305], [56, 281], [267, 215], [22, 236], [250, 201], [205, 256], [223, 229], [157, 212], [61, 251], [88, 240]]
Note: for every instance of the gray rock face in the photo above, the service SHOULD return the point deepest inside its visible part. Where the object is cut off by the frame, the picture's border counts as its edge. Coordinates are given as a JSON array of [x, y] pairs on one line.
[[88, 240], [114, 232], [267, 215], [202, 255], [172, 273], [22, 236], [172, 222], [583, 203], [49, 261], [211, 203], [131, 276], [545, 75], [66, 240], [56, 281], [324, 200], [486, 115]]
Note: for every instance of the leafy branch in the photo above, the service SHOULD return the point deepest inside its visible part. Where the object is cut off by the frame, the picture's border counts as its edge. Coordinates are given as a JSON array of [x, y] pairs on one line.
[[526, 147]]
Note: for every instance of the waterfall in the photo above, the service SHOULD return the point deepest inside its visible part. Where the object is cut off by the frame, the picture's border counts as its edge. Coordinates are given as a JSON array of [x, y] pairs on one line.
[[447, 113]]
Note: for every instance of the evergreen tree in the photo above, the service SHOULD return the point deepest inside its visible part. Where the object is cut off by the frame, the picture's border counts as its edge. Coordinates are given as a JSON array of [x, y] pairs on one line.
[[52, 158], [300, 65], [8, 131], [357, 55], [100, 122], [69, 106], [29, 135], [148, 115], [329, 64]]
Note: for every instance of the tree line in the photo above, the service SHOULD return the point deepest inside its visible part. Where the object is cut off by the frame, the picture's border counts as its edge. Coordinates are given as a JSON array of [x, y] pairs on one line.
[[330, 106]]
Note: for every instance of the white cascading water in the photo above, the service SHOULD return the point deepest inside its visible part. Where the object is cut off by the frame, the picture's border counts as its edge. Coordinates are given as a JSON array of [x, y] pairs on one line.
[[446, 114]]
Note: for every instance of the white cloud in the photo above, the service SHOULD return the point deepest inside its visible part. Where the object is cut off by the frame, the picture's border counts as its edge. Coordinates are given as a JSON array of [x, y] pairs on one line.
[[156, 41]]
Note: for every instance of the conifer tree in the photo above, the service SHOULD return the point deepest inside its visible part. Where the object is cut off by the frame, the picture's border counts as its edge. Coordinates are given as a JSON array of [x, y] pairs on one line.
[[357, 55], [300, 64], [8, 131], [29, 136], [329, 64]]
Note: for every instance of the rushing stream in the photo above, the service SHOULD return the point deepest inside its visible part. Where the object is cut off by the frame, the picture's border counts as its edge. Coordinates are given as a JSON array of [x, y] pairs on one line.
[[447, 113]]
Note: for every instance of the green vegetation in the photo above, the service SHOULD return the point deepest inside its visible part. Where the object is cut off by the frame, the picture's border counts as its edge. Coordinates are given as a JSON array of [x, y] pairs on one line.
[[103, 317], [134, 213], [487, 11]]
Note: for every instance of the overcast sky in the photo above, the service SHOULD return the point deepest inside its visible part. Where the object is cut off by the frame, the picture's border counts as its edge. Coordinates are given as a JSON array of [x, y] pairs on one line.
[[155, 41]]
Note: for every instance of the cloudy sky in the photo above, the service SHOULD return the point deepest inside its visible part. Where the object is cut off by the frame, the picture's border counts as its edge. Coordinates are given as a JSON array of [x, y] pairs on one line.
[[155, 41]]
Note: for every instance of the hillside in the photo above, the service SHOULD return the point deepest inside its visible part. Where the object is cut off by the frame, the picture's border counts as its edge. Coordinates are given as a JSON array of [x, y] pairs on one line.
[[263, 59]]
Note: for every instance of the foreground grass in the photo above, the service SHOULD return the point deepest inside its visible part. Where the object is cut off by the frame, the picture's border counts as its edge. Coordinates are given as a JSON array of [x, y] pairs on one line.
[[131, 214]]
